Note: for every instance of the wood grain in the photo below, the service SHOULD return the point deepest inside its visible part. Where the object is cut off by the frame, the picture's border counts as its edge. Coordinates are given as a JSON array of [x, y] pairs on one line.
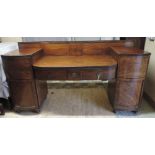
[[125, 94], [28, 68], [132, 51], [23, 94], [56, 49], [52, 74], [24, 90], [24, 52], [41, 88], [132, 66], [75, 61]]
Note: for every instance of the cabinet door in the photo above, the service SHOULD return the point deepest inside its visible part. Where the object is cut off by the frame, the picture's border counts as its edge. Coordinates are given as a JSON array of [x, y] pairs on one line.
[[23, 94], [126, 94]]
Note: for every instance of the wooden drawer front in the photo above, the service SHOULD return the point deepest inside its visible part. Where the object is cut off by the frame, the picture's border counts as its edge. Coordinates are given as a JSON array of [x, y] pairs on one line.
[[74, 74], [128, 93], [54, 74], [19, 74], [132, 66], [17, 63], [98, 74]]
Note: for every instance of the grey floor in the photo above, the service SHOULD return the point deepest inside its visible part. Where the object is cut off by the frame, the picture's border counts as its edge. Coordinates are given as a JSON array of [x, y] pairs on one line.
[[76, 101]]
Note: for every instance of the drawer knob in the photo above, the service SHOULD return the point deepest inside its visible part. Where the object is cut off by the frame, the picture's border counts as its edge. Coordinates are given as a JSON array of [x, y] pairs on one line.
[[75, 75]]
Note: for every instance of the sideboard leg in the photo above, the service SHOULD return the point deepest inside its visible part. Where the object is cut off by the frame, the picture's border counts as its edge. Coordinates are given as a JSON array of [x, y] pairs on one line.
[[36, 110]]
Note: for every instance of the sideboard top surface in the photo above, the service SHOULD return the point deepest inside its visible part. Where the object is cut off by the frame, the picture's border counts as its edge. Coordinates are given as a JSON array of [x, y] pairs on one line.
[[125, 50], [75, 61], [23, 52]]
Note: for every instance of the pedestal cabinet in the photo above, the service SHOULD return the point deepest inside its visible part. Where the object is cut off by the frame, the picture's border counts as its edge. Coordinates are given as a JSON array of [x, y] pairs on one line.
[[26, 92], [125, 92]]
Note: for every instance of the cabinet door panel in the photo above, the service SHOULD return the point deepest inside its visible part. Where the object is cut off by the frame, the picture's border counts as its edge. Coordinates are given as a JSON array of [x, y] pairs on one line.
[[125, 94], [23, 94]]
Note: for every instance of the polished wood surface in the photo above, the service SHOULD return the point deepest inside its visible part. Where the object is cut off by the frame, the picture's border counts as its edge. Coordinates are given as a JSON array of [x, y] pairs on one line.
[[75, 73], [75, 61], [52, 74], [41, 88], [132, 67], [26, 93], [126, 94], [77, 48], [56, 49], [129, 51], [24, 52], [23, 94], [99, 74], [17, 67], [28, 68], [61, 48]]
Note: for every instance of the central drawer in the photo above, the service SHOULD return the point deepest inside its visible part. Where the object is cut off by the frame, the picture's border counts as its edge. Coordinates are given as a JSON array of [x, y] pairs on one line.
[[75, 74], [50, 74], [90, 74], [98, 74], [93, 74]]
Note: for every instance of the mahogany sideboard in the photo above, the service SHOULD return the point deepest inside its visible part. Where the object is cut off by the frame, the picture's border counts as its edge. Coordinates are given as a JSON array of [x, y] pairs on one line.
[[119, 62]]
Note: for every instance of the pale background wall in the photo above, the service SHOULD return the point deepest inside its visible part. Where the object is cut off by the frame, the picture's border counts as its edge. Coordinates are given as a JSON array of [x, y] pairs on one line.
[[67, 38], [150, 81], [11, 39], [19, 39]]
